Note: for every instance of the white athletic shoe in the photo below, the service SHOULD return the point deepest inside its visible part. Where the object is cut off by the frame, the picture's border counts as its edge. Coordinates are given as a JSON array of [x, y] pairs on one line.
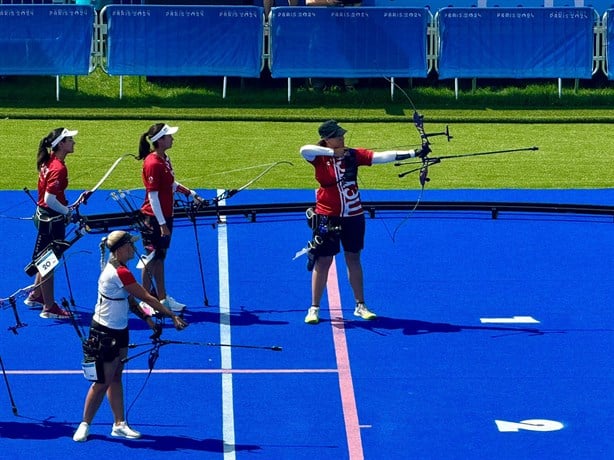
[[313, 315], [124, 431], [34, 301], [82, 432], [171, 303], [362, 311], [55, 312]]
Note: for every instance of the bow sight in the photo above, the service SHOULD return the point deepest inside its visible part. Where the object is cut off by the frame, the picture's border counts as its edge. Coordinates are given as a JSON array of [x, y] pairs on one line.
[[419, 123]]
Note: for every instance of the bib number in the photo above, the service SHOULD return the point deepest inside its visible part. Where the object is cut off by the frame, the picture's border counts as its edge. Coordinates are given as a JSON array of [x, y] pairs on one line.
[[47, 262]]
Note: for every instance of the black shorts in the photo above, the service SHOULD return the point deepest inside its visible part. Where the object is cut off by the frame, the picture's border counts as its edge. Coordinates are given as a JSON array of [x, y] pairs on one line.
[[351, 236], [152, 235], [111, 339], [51, 227]]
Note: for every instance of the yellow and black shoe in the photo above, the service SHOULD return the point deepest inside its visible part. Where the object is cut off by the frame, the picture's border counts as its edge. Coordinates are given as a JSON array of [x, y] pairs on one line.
[[363, 312], [313, 315]]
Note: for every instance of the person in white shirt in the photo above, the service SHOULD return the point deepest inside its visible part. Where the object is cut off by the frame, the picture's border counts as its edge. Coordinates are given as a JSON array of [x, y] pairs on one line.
[[117, 290]]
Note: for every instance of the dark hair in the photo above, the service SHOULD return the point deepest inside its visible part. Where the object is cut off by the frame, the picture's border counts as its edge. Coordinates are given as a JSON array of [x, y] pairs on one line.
[[43, 155], [144, 145]]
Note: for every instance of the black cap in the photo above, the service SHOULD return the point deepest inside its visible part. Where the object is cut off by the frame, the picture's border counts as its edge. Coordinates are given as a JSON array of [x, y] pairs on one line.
[[118, 238], [330, 129]]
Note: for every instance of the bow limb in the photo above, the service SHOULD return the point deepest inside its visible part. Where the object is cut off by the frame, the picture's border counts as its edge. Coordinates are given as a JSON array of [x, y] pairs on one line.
[[86, 194], [425, 161], [232, 192], [19, 292], [246, 168], [418, 121]]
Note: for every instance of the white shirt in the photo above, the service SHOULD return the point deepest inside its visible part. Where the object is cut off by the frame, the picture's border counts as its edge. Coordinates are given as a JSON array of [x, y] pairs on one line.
[[112, 307]]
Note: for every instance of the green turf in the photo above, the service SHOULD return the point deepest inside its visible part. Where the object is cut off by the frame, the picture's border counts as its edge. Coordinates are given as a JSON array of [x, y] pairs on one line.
[[227, 154], [222, 143]]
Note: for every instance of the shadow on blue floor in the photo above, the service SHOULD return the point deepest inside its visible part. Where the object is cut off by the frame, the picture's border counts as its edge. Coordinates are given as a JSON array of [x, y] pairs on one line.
[[438, 375]]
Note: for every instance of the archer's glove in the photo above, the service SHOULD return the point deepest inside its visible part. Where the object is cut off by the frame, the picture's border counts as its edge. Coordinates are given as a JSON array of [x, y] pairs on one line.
[[424, 151]]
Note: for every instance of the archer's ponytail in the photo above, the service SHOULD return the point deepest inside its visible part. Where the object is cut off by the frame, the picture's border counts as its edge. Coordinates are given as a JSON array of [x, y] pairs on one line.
[[103, 252], [43, 155], [144, 145]]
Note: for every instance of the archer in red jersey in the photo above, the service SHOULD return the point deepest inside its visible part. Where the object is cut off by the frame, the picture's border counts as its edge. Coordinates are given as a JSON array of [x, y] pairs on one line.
[[338, 219], [52, 213], [157, 209]]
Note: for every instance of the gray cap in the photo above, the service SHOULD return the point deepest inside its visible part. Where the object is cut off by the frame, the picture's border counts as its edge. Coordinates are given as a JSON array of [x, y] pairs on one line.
[[330, 129]]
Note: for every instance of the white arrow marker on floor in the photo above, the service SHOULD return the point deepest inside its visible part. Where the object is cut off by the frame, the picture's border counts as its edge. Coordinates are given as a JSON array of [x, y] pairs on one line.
[[513, 319]]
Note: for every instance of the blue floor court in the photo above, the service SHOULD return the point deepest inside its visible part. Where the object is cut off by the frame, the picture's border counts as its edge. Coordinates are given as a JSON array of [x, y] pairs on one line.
[[494, 340]]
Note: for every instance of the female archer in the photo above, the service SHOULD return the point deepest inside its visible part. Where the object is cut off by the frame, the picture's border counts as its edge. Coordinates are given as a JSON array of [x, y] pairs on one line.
[[157, 210], [117, 290], [52, 213], [339, 209]]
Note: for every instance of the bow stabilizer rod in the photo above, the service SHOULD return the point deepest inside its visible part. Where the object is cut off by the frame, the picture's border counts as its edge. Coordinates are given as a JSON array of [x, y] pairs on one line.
[[434, 160], [493, 152]]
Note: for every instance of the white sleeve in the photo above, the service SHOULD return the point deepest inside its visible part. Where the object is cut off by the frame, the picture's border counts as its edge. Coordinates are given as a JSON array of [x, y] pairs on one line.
[[309, 152], [53, 203], [156, 207], [391, 155]]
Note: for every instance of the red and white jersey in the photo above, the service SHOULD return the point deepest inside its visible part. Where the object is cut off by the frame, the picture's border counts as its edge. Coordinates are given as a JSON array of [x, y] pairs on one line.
[[112, 307], [339, 195], [53, 179], [158, 176]]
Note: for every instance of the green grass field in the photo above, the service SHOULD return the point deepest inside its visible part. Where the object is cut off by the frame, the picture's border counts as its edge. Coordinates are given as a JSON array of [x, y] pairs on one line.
[[222, 143]]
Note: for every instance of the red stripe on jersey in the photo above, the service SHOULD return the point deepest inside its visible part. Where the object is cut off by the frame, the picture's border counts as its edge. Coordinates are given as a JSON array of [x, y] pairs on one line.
[[125, 275]]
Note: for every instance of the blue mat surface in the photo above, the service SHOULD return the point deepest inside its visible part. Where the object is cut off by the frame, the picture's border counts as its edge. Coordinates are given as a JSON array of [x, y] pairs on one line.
[[493, 339]]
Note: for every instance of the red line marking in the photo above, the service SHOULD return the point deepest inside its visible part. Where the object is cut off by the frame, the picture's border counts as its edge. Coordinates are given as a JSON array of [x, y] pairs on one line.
[[346, 385]]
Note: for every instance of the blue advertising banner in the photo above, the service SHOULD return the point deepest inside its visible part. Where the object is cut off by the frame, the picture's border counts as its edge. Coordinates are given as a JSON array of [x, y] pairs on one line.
[[46, 39], [348, 42], [185, 40], [432, 5], [516, 42]]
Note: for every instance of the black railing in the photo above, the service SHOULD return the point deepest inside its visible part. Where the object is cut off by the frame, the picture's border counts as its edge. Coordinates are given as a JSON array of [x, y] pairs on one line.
[[105, 222]]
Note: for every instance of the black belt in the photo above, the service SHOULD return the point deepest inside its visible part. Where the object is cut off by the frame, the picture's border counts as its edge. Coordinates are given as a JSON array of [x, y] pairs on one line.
[[111, 298]]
